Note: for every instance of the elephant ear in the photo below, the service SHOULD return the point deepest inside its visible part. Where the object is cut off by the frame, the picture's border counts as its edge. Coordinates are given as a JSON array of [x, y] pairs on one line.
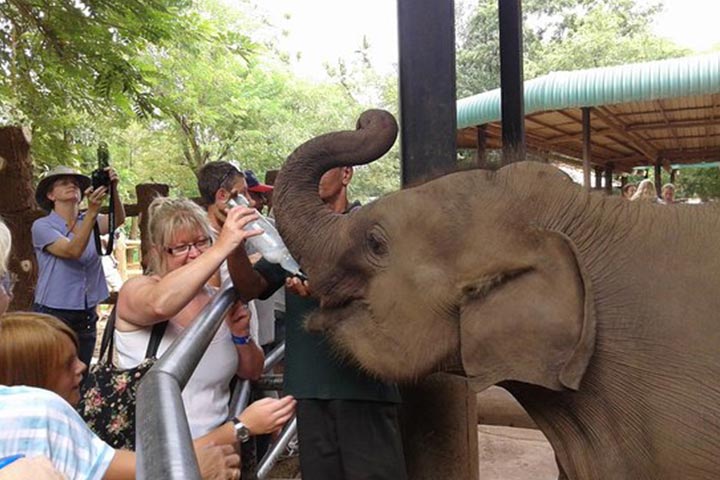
[[537, 327]]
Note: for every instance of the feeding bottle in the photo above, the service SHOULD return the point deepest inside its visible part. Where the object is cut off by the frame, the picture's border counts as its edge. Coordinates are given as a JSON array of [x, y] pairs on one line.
[[269, 243]]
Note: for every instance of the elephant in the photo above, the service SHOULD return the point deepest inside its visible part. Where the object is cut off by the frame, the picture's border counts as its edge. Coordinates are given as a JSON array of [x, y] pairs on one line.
[[600, 315]]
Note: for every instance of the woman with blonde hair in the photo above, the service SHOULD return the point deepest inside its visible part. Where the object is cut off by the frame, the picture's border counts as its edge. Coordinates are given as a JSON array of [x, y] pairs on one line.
[[645, 191], [182, 258]]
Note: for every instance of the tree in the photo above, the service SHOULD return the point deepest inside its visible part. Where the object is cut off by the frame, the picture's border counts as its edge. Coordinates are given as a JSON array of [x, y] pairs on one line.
[[703, 183], [559, 35], [60, 58]]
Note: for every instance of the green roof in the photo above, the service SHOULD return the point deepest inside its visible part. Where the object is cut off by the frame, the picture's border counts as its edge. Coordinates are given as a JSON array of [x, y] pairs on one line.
[[677, 77], [680, 166]]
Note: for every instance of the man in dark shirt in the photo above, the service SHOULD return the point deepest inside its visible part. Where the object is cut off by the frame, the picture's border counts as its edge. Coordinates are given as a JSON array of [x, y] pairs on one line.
[[348, 425]]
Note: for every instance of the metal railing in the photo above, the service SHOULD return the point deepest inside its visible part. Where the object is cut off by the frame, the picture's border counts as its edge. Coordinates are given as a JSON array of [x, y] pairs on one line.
[[164, 444], [241, 398]]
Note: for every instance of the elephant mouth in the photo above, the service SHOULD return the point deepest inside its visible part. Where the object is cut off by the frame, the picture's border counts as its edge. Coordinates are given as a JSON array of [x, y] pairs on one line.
[[328, 316]]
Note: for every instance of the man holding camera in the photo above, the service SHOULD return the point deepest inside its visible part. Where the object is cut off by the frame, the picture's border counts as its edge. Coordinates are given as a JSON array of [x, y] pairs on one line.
[[71, 282]]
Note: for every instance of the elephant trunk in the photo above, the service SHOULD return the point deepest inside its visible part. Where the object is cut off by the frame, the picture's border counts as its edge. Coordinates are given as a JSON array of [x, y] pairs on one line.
[[306, 224]]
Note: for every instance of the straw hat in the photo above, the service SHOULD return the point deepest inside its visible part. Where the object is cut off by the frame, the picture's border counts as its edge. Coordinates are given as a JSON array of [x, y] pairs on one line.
[[50, 177]]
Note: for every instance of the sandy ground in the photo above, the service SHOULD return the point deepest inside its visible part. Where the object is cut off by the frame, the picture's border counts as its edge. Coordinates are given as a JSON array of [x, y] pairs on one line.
[[509, 453], [506, 453]]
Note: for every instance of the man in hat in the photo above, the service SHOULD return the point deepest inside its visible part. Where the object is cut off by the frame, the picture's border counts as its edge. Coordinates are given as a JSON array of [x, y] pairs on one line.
[[260, 192], [71, 282]]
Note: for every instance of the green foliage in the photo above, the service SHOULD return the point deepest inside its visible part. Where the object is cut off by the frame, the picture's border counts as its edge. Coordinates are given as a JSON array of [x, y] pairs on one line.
[[173, 84], [703, 183], [559, 35], [65, 63]]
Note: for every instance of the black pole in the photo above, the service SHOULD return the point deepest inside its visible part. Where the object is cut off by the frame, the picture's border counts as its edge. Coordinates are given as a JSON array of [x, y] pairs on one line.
[[511, 80], [428, 122], [587, 151], [609, 177]]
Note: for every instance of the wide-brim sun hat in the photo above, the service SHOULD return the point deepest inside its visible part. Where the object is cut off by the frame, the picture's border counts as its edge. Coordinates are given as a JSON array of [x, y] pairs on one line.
[[50, 177]]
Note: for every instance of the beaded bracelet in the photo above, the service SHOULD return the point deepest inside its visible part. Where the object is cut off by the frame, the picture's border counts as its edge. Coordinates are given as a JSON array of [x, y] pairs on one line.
[[244, 340]]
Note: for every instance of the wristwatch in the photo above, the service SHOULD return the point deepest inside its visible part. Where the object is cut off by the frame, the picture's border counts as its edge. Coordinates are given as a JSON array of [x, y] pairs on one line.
[[241, 431]]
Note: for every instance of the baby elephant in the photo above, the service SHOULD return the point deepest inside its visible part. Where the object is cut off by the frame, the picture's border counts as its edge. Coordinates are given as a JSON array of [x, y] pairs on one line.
[[601, 316]]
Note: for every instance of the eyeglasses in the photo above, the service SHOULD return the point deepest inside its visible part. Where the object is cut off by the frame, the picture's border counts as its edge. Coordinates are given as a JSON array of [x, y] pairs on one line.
[[8, 281], [181, 250]]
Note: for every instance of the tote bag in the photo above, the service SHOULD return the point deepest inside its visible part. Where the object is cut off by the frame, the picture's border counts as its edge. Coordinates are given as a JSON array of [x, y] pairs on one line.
[[107, 397]]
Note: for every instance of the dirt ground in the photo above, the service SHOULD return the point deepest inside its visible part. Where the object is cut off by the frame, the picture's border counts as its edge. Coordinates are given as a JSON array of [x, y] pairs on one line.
[[506, 453]]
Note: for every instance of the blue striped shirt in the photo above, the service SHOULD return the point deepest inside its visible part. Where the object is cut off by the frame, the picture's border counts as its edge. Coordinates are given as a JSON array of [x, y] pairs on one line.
[[36, 422]]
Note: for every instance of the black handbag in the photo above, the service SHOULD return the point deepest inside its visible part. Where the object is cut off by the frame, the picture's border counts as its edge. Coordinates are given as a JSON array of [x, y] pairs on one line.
[[107, 397]]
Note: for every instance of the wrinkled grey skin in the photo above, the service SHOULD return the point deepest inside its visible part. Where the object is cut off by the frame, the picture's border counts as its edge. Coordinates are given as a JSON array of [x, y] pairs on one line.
[[600, 315]]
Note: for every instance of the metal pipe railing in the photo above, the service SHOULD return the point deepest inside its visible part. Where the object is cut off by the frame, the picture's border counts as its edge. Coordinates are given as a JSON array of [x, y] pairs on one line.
[[241, 393], [277, 448], [164, 443]]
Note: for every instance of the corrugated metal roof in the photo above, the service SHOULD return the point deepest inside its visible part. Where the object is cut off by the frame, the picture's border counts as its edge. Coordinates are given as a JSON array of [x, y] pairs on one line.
[[678, 77]]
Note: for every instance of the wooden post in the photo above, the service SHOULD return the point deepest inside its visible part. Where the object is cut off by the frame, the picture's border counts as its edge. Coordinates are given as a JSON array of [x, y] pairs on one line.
[[658, 177], [586, 147], [609, 178], [121, 256], [440, 429], [673, 175], [480, 153], [146, 193], [598, 178]]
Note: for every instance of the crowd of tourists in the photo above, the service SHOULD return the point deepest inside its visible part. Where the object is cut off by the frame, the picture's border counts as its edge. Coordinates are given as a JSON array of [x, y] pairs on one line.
[[67, 412]]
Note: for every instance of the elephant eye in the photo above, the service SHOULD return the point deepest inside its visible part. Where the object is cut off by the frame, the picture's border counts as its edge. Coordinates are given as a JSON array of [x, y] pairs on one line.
[[377, 244]]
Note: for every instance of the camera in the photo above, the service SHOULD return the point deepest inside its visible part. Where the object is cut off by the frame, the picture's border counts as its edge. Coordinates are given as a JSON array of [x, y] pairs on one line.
[[100, 177]]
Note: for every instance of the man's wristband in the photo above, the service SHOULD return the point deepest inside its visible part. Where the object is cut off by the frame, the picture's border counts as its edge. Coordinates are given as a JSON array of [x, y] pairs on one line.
[[243, 340]]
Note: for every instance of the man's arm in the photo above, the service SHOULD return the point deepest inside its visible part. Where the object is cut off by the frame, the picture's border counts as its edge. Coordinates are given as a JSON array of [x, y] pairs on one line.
[[259, 281]]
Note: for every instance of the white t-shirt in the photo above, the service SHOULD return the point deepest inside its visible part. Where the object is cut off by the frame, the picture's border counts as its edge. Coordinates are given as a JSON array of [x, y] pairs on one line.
[[207, 394]]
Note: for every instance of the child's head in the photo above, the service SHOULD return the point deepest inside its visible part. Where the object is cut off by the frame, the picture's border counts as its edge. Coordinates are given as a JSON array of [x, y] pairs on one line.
[[39, 350]]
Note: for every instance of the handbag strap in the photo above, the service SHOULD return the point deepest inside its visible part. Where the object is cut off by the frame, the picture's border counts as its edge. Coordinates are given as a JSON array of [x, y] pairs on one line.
[[108, 339], [107, 344], [155, 338]]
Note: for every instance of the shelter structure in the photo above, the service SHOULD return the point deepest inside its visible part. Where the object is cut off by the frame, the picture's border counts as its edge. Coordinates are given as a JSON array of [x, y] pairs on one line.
[[611, 119]]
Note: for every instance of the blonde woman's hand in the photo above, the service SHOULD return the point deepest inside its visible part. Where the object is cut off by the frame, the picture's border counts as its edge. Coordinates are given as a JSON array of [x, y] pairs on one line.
[[268, 414], [218, 462], [232, 234], [238, 319]]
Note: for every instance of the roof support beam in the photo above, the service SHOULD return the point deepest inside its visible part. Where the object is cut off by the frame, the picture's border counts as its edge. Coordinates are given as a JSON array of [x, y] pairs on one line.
[[673, 131], [619, 127], [605, 131], [663, 125], [691, 155]]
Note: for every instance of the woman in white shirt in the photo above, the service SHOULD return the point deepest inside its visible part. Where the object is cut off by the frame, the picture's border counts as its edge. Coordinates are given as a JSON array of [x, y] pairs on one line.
[[182, 259]]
